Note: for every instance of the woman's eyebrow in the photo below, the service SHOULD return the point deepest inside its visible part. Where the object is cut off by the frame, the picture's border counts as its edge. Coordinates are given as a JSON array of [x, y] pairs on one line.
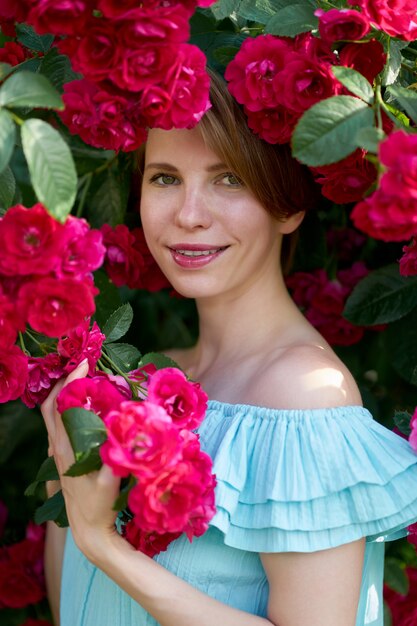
[[171, 168]]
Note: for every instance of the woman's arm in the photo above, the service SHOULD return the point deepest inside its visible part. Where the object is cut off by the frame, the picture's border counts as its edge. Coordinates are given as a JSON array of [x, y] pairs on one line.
[[54, 553], [313, 580]]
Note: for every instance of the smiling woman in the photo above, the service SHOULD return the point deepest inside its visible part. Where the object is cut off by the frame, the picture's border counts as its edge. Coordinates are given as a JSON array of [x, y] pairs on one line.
[[309, 486]]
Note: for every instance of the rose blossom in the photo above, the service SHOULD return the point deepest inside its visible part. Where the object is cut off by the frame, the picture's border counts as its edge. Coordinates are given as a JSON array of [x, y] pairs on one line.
[[93, 394], [101, 119], [13, 373], [99, 51], [252, 73], [151, 277], [143, 66], [272, 125], [183, 400], [123, 262], [345, 243], [339, 24], [36, 622], [403, 607], [396, 17], [408, 262], [43, 372], [367, 58], [10, 322], [21, 573], [167, 24], [348, 179], [186, 89], [54, 307], [81, 343], [31, 239], [61, 17], [84, 250], [141, 439], [12, 53], [148, 542], [384, 217], [398, 152]]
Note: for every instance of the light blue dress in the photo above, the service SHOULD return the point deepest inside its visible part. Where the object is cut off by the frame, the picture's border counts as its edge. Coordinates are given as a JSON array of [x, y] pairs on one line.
[[288, 480]]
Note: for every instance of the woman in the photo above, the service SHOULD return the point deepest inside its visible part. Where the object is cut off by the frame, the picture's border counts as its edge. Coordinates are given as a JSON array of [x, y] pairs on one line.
[[304, 473]]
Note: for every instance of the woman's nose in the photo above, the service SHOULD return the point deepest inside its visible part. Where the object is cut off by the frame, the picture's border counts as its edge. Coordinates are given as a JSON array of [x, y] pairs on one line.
[[193, 210]]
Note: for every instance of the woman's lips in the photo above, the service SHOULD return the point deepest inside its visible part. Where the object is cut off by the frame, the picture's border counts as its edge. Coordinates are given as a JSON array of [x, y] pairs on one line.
[[194, 256]]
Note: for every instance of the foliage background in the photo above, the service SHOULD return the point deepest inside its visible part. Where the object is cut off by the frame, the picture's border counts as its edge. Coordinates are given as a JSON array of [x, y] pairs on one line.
[[102, 189]]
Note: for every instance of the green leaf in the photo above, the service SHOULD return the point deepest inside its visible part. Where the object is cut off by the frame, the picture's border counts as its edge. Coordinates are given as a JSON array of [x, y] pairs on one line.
[[118, 323], [51, 167], [107, 299], [26, 89], [47, 471], [158, 359], [393, 66], [292, 20], [260, 11], [57, 69], [326, 133], [407, 98], [86, 462], [225, 54], [381, 297], [355, 82], [17, 424], [370, 138], [108, 205], [224, 8], [125, 356], [402, 421], [7, 188], [27, 36], [5, 70], [7, 138], [395, 575], [53, 510], [402, 345], [84, 428], [120, 503]]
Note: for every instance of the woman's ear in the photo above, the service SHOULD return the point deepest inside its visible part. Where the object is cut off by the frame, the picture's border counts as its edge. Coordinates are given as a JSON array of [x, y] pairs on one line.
[[291, 223]]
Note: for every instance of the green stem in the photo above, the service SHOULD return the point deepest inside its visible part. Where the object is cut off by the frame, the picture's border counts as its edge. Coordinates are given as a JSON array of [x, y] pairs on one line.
[[113, 365], [33, 338], [22, 345], [85, 182], [18, 120]]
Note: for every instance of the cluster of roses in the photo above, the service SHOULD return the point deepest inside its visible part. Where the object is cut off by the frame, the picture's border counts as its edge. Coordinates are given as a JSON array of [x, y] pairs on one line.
[[45, 281], [22, 579], [151, 442], [403, 607], [323, 299], [138, 72]]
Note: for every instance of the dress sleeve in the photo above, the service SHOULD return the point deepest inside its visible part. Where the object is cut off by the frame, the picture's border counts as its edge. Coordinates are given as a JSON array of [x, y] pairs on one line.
[[308, 480]]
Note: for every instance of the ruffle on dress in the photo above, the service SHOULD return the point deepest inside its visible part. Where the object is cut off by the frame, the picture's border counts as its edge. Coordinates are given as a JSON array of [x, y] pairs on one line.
[[307, 480]]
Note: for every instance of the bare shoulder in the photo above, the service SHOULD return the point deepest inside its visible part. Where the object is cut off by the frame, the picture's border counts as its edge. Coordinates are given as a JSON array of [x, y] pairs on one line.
[[308, 376]]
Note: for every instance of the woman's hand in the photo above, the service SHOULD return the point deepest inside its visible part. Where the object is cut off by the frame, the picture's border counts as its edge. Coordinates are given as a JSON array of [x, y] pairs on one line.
[[88, 498]]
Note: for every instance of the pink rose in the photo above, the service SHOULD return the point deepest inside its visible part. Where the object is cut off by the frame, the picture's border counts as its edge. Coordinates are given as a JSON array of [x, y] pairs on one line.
[[408, 262], [347, 180], [13, 53], [345, 243], [116, 8], [84, 250], [13, 373], [123, 262], [252, 74], [60, 17], [21, 574], [31, 239], [81, 343], [36, 622], [403, 607], [334, 328], [93, 394], [143, 66], [99, 51], [55, 306], [182, 399], [151, 277], [11, 322], [148, 542], [181, 100], [141, 440], [304, 82], [396, 17], [117, 381], [305, 285], [367, 58], [272, 125], [101, 119], [342, 24], [398, 152], [43, 372], [162, 24]]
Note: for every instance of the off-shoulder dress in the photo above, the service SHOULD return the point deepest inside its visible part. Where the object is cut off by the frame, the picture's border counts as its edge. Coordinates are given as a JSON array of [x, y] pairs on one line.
[[287, 480]]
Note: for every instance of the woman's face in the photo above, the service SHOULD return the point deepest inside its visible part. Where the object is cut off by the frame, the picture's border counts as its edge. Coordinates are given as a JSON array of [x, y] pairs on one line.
[[205, 229]]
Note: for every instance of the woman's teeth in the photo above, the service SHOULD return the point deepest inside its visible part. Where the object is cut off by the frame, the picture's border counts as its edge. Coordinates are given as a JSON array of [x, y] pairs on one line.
[[198, 252]]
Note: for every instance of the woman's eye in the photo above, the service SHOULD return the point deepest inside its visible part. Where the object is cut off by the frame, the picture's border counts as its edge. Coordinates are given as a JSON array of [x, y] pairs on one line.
[[231, 180], [164, 179]]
